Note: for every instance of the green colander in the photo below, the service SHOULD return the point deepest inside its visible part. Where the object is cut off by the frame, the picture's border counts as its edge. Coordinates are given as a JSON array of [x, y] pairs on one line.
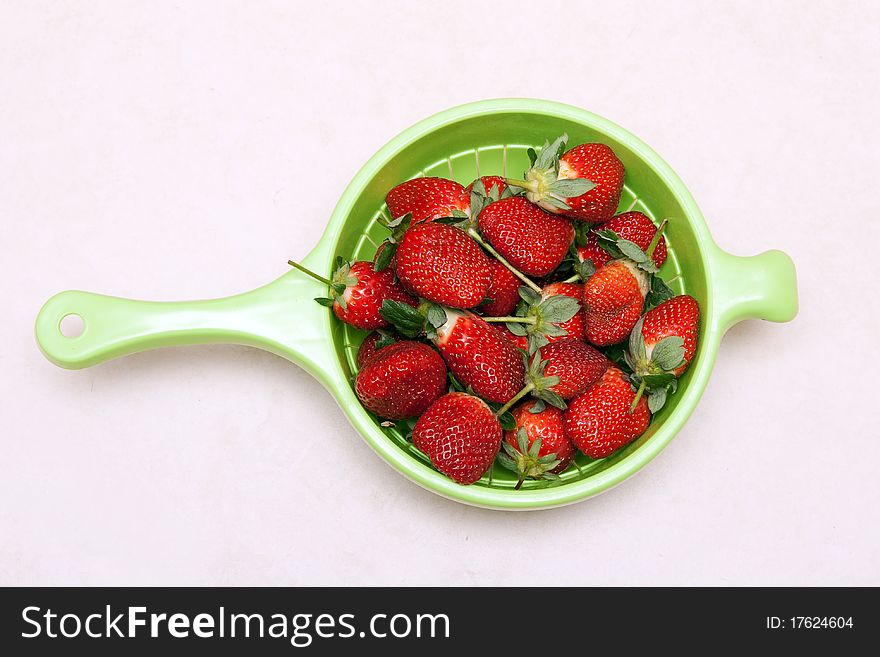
[[487, 137]]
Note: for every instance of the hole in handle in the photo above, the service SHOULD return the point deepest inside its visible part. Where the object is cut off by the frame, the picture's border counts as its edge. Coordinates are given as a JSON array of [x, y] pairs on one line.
[[72, 326]]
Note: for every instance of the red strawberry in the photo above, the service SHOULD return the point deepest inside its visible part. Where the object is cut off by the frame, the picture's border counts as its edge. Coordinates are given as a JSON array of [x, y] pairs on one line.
[[371, 344], [577, 364], [358, 291], [443, 264], [613, 300], [427, 199], [662, 345], [544, 423], [598, 164], [480, 356], [530, 239], [678, 317], [599, 422], [503, 291], [615, 294], [401, 380], [489, 182], [583, 183], [461, 436], [633, 226]]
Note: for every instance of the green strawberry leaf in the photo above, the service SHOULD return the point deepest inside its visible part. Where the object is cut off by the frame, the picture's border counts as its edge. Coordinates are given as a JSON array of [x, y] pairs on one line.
[[406, 319], [394, 223], [558, 309], [528, 295], [436, 315], [582, 232], [632, 251], [656, 399], [516, 328], [385, 256], [533, 156], [522, 440], [552, 331], [572, 187], [506, 461], [324, 301], [536, 341], [668, 354], [537, 407], [556, 202], [535, 448], [507, 422], [637, 342], [658, 293], [658, 380], [585, 269], [551, 397], [550, 153]]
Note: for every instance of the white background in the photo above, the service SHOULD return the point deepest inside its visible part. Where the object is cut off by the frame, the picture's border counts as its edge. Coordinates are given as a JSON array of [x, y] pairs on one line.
[[187, 150]]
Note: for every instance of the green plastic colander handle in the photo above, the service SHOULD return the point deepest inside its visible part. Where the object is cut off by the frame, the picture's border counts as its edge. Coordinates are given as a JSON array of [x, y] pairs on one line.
[[757, 287], [280, 317]]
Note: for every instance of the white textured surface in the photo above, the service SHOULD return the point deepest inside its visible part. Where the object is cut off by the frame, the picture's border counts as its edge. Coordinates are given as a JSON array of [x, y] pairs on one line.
[[168, 151]]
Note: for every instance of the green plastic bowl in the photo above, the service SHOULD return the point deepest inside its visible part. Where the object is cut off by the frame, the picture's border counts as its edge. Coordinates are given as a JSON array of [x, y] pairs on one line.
[[283, 318]]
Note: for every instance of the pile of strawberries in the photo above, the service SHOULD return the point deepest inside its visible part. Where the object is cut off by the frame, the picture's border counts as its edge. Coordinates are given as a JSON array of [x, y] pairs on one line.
[[517, 320]]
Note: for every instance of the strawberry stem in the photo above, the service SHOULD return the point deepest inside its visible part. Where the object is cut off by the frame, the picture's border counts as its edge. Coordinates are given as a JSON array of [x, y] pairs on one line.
[[309, 272], [525, 279], [515, 320], [522, 393], [516, 182], [519, 483], [638, 396], [656, 239], [572, 279]]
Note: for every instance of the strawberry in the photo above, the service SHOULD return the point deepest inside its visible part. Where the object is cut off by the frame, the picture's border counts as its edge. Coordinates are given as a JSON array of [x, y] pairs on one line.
[[531, 240], [633, 226], [357, 292], [678, 317], [503, 291], [371, 344], [599, 422], [488, 182], [427, 199], [613, 300], [583, 183], [461, 436], [662, 345], [575, 364], [401, 380], [615, 295], [479, 356], [536, 446], [443, 264], [553, 314]]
